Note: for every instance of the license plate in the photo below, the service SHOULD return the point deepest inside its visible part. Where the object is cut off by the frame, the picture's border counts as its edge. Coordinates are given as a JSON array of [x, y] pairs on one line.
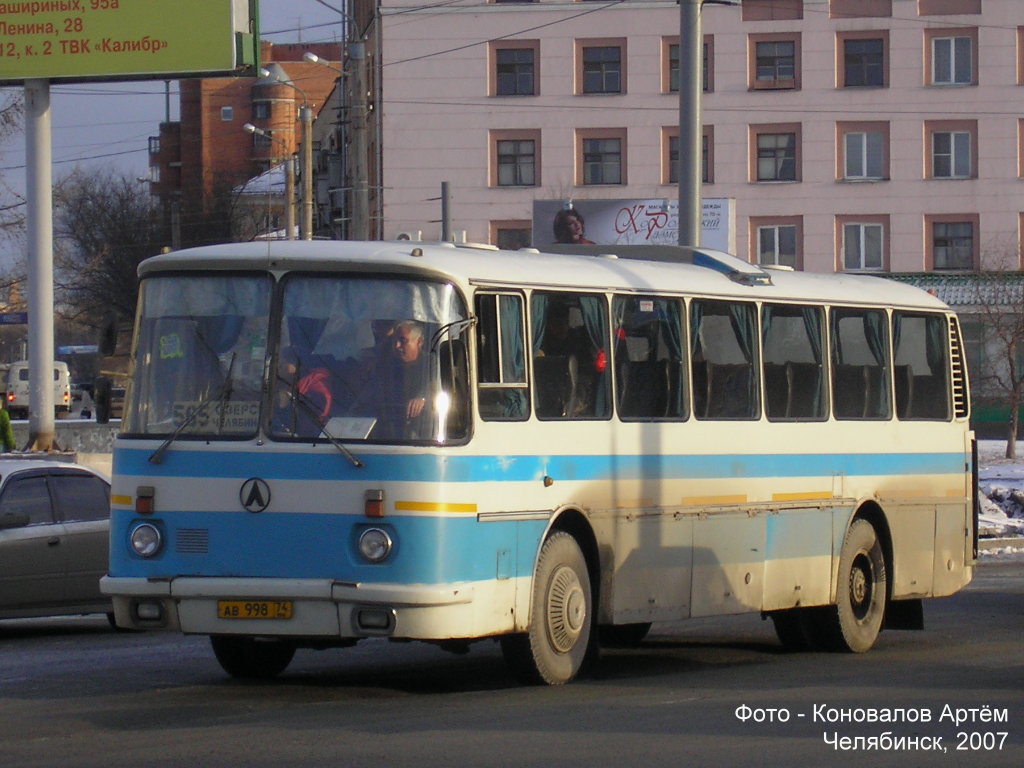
[[254, 609]]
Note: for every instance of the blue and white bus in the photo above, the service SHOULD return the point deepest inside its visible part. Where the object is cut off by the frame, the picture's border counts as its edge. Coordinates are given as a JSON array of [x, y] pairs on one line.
[[330, 441]]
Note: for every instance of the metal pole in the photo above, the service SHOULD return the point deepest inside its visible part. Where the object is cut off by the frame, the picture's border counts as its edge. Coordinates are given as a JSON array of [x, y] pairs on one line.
[[39, 187], [690, 130], [306, 115], [360, 145], [446, 212], [289, 196]]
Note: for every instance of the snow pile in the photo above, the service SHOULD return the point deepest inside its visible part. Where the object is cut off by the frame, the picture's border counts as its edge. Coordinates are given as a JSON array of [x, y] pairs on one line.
[[1001, 482]]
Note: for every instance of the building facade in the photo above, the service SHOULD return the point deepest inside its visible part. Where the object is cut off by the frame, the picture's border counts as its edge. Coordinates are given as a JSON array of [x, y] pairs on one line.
[[857, 135], [197, 161]]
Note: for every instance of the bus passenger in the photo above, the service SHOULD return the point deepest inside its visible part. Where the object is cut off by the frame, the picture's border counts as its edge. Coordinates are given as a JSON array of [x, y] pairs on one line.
[[402, 386]]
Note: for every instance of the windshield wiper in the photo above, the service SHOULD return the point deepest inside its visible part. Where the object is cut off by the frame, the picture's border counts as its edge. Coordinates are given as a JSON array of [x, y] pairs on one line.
[[222, 396], [297, 400]]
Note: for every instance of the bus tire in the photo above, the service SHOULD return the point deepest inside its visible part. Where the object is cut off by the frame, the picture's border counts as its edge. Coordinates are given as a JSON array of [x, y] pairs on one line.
[[555, 646], [791, 629], [251, 658], [853, 623]]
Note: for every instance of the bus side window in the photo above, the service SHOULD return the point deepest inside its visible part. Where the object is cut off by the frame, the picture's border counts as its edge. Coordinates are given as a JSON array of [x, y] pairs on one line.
[[792, 343], [723, 351], [860, 364], [501, 359], [570, 355], [648, 358], [921, 366]]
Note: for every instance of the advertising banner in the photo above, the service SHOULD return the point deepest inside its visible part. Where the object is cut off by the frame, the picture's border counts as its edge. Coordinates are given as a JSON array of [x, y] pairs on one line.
[[652, 221]]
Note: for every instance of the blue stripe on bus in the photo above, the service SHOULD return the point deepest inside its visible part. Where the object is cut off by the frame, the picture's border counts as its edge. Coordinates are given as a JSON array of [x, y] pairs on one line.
[[436, 467], [427, 550]]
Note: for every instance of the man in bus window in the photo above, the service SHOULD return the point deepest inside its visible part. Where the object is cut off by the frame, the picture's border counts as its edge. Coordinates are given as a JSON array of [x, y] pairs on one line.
[[402, 386]]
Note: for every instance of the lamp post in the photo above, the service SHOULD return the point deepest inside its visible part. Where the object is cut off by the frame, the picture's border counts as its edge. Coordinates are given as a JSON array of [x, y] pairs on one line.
[[306, 117], [289, 179], [691, 90]]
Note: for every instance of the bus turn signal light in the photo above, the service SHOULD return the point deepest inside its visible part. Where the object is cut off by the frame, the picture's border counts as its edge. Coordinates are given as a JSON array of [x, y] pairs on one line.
[[374, 503]]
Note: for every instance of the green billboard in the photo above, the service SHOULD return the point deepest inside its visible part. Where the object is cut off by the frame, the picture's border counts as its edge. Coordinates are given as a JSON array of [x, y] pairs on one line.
[[81, 40]]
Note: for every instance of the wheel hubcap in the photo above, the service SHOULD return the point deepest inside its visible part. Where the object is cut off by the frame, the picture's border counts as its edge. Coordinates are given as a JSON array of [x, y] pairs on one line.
[[567, 609], [860, 586]]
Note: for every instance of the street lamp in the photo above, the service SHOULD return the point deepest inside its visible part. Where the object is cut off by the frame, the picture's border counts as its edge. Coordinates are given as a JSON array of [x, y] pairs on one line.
[[306, 116], [289, 178]]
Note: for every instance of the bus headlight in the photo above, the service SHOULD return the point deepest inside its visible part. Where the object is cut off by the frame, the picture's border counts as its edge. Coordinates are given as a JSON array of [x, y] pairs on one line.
[[374, 544], [146, 540]]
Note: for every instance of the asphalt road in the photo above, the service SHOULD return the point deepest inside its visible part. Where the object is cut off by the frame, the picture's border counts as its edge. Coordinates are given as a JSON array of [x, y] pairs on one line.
[[704, 693]]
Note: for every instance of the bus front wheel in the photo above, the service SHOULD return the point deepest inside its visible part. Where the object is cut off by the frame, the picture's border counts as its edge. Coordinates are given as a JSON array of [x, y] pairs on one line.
[[554, 648], [252, 658]]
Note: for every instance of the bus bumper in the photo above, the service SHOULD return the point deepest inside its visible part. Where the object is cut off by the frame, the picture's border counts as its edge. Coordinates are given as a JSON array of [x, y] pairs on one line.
[[316, 608]]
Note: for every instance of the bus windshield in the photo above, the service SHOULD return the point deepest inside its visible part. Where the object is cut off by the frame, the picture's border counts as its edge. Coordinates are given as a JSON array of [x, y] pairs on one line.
[[202, 346], [352, 358]]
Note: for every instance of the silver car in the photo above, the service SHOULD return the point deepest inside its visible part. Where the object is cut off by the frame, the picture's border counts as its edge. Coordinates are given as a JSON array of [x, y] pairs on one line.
[[54, 539]]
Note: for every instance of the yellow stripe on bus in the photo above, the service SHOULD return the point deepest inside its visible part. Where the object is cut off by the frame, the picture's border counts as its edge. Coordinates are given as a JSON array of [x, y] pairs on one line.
[[433, 506], [802, 496], [125, 500]]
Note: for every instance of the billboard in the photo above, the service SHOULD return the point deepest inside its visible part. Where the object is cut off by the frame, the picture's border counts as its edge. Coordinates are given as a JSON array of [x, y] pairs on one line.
[[82, 40], [652, 221]]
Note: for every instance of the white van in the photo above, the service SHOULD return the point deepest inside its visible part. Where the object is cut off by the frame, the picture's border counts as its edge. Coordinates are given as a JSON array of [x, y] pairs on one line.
[[17, 389]]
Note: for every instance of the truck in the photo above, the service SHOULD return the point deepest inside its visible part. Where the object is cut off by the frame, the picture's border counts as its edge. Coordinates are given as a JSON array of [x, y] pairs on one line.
[[16, 386]]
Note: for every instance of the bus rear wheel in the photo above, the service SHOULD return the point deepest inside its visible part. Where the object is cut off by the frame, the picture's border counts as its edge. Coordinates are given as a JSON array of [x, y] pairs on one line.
[[554, 648], [252, 658], [854, 622]]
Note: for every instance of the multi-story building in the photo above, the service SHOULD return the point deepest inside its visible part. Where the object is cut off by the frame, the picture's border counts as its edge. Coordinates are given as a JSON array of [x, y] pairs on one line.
[[196, 162], [859, 135]]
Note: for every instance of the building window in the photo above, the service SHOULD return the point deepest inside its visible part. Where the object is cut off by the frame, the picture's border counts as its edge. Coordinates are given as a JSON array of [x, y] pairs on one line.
[[670, 64], [602, 161], [775, 62], [951, 56], [859, 9], [862, 246], [771, 10], [227, 114], [864, 62], [775, 153], [953, 241], [600, 156], [261, 110], [864, 151], [154, 145], [776, 241], [602, 69], [947, 7], [260, 140], [952, 144], [515, 158], [514, 67], [670, 142], [512, 235]]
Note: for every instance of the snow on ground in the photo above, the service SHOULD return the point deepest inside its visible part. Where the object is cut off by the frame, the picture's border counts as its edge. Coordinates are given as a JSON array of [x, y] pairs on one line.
[[1002, 494]]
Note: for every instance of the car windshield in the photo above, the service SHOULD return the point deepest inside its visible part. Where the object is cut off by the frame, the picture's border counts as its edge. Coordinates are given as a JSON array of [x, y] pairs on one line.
[[352, 358]]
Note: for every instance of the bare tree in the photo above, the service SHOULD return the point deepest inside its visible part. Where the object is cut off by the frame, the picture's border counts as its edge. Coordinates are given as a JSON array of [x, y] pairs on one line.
[[104, 226], [12, 208]]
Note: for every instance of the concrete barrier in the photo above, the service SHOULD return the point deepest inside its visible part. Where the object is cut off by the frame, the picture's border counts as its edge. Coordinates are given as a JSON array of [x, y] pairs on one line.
[[86, 441]]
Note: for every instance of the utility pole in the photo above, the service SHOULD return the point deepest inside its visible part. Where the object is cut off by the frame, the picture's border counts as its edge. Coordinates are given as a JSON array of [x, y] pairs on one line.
[[306, 115], [360, 145], [690, 129]]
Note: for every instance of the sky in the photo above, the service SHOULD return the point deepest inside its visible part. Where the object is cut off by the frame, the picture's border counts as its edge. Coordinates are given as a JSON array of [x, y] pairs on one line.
[[104, 125]]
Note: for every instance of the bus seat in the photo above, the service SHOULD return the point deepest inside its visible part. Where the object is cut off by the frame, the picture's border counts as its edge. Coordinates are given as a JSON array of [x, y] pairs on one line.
[[644, 389], [729, 394], [777, 390], [904, 390], [805, 395], [849, 391], [876, 391], [930, 398], [555, 382]]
